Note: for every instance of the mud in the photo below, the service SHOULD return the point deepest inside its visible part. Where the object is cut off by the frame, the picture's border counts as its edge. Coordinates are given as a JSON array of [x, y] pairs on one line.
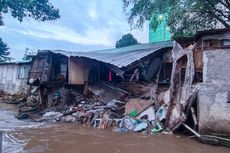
[[26, 136]]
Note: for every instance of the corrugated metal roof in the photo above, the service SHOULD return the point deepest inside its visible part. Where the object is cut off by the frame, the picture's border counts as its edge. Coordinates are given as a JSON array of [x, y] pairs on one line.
[[161, 44], [120, 57], [17, 62]]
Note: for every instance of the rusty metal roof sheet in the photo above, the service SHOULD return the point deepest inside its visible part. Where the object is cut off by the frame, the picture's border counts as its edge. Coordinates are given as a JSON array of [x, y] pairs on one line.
[[120, 57]]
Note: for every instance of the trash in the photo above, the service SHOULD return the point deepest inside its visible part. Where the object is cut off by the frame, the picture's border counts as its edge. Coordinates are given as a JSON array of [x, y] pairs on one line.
[[133, 113], [176, 118], [106, 92], [33, 100], [69, 118], [51, 116], [161, 113], [128, 123], [120, 130], [22, 116], [150, 112], [167, 132], [141, 127], [12, 98], [105, 121], [158, 128], [136, 106], [34, 90], [114, 103]]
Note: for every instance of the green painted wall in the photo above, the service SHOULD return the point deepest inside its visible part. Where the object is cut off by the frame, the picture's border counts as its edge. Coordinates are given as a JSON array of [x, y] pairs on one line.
[[162, 33]]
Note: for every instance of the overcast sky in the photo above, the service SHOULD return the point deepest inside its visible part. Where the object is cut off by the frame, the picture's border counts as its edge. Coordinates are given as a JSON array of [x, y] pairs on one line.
[[84, 25]]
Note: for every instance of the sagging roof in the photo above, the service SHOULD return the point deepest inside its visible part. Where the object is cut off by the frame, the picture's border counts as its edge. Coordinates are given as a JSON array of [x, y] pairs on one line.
[[120, 57], [200, 34]]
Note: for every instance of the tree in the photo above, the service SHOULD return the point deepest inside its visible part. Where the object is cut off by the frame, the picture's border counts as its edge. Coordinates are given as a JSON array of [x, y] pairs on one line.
[[126, 40], [184, 17], [40, 10], [3, 51]]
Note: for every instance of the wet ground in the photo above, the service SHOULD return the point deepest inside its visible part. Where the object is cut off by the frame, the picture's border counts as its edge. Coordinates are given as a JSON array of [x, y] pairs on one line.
[[26, 136]]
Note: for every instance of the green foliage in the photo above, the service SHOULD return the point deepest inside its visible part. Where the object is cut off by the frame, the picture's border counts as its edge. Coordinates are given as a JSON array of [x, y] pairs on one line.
[[3, 51], [1, 22], [126, 40], [40, 10], [184, 17]]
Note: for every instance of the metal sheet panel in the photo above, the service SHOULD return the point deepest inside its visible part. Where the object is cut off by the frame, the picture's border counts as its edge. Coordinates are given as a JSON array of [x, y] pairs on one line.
[[9, 77]]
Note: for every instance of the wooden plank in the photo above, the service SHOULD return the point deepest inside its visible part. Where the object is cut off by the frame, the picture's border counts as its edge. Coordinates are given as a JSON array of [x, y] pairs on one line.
[[194, 116], [193, 131]]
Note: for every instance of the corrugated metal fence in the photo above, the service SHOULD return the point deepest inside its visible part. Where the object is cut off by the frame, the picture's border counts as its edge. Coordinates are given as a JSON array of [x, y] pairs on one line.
[[13, 77]]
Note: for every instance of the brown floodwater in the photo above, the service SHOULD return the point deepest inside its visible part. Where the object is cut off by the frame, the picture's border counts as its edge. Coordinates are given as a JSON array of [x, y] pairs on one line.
[[25, 136]]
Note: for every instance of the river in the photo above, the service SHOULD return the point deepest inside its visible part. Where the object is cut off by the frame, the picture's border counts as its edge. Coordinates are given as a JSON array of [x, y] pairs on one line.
[[30, 137]]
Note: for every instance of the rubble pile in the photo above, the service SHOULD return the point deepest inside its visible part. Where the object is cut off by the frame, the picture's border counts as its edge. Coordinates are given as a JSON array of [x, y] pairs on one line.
[[145, 107], [82, 109], [13, 99], [16, 98]]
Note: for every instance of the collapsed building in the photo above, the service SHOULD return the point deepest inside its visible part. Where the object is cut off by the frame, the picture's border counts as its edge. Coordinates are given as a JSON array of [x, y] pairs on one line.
[[181, 82], [122, 69], [130, 75], [142, 76]]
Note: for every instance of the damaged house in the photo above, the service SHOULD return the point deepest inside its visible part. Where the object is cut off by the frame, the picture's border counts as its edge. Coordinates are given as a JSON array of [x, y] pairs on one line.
[[211, 56], [214, 92], [13, 76], [162, 82], [146, 77], [124, 70]]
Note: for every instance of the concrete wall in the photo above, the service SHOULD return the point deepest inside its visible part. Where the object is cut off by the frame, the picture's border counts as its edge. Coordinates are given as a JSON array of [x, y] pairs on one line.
[[216, 66], [214, 94], [13, 77], [214, 108]]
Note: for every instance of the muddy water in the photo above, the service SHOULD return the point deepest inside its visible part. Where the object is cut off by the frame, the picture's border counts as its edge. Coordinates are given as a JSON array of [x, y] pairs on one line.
[[31, 137]]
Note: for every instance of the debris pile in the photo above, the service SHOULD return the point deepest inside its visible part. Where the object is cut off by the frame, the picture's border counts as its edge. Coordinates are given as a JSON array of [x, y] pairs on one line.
[[141, 105], [12, 98], [87, 110]]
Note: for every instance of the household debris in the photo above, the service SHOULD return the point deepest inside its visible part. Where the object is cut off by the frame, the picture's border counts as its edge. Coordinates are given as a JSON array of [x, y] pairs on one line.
[[138, 103]]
